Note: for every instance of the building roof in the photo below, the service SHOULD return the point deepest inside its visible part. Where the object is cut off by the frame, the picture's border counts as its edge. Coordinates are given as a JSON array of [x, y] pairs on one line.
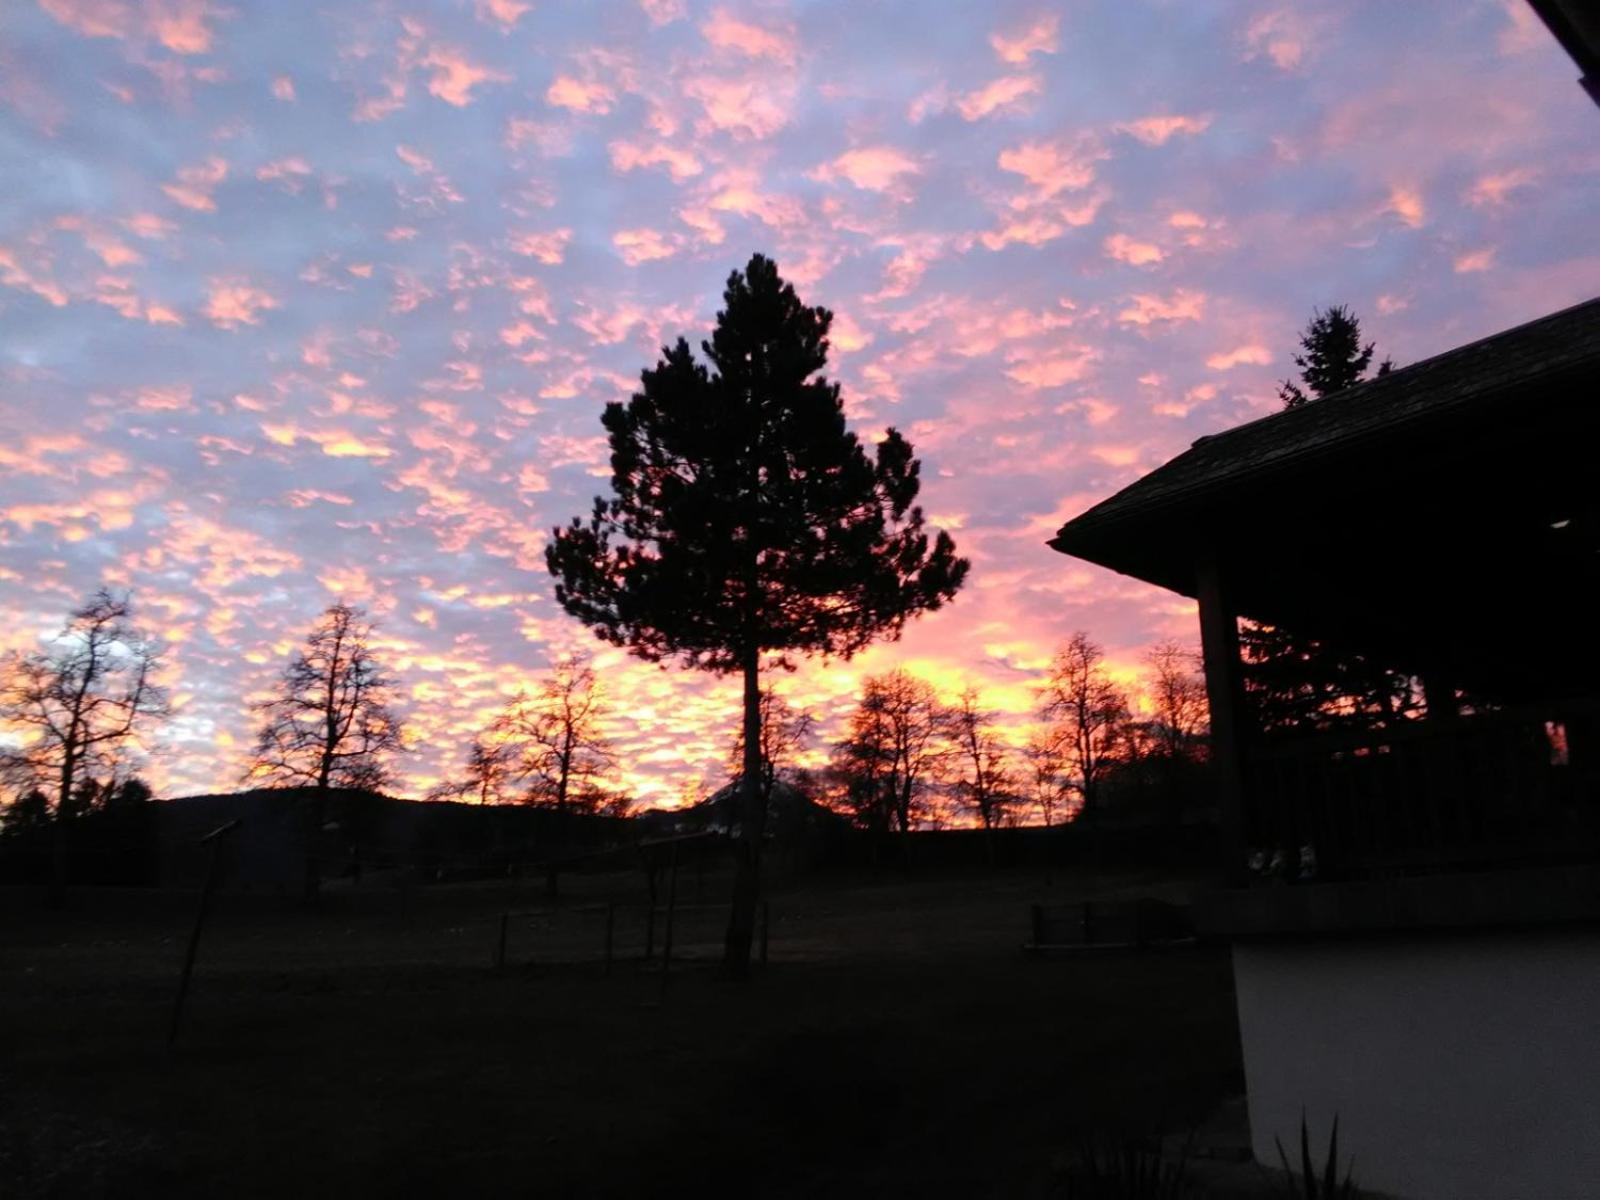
[[1482, 378]]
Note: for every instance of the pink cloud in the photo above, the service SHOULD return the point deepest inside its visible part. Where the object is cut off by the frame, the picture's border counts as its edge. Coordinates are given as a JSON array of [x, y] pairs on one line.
[[1474, 260], [289, 173], [1182, 305], [196, 183], [1131, 251], [454, 75], [664, 12], [549, 246], [739, 191], [1052, 167], [504, 13], [1523, 30], [181, 26], [1279, 35], [1052, 368], [756, 106], [637, 246], [232, 302], [1155, 131], [1491, 191], [178, 25], [1406, 203], [1039, 37], [283, 88], [1039, 228], [1001, 95], [631, 156], [874, 168], [1253, 354], [567, 92], [729, 33]]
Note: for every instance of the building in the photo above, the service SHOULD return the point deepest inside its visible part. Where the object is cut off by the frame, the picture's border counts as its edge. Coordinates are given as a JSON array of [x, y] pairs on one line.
[[1413, 905]]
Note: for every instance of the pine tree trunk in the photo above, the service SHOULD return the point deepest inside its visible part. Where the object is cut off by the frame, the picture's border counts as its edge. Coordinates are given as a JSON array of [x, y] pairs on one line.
[[747, 879]]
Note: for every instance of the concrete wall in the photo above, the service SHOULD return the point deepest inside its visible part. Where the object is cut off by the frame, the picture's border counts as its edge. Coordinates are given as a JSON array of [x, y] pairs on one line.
[[1459, 1067]]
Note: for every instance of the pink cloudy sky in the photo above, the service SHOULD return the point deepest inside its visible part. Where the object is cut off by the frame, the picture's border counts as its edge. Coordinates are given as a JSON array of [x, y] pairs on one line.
[[301, 303]]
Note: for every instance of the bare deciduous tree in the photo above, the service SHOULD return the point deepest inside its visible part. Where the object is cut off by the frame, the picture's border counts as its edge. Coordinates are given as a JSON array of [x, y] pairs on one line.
[[894, 750], [76, 707], [1089, 713], [558, 740], [983, 778], [1048, 782], [491, 771], [330, 725], [1179, 692]]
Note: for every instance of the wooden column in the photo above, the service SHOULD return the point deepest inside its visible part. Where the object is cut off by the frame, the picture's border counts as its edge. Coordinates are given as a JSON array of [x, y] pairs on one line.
[[1219, 640]]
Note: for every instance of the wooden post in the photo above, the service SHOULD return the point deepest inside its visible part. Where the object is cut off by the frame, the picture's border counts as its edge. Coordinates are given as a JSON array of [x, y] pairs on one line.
[[1219, 639], [666, 939], [206, 890], [766, 929], [500, 950], [611, 928]]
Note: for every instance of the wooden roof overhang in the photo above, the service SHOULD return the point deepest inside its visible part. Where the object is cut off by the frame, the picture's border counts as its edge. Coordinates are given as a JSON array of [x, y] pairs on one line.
[[1445, 516]]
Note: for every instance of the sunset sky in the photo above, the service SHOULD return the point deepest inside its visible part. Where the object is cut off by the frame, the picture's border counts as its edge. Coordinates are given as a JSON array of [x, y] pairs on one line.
[[301, 303]]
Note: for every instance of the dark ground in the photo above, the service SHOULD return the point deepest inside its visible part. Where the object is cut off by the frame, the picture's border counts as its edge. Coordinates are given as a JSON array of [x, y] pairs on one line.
[[899, 1044]]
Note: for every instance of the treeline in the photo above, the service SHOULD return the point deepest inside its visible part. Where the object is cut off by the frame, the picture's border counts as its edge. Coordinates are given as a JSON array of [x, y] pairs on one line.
[[905, 757], [909, 758]]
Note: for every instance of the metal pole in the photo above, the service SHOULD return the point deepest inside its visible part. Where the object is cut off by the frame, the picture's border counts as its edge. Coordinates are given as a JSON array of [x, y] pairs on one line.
[[206, 890]]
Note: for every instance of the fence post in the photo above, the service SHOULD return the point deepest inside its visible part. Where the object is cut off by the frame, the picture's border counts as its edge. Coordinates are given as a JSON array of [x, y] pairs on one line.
[[500, 951], [206, 890], [611, 927]]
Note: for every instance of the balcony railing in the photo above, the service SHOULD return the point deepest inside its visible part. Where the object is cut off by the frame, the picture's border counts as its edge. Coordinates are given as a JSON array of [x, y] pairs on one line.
[[1496, 789]]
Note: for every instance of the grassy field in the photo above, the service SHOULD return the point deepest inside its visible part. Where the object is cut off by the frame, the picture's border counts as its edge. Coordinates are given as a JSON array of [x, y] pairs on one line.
[[898, 1044]]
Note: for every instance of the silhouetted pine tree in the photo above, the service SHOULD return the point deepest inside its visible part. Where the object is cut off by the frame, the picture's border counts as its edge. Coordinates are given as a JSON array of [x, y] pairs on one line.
[[747, 520]]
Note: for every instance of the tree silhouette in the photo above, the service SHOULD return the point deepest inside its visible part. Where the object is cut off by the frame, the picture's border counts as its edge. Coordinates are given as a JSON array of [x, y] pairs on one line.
[[28, 812], [1178, 691], [894, 749], [983, 780], [79, 705], [1332, 357], [330, 725], [491, 772], [1295, 682], [1048, 782], [747, 521], [557, 742], [131, 793], [1090, 715]]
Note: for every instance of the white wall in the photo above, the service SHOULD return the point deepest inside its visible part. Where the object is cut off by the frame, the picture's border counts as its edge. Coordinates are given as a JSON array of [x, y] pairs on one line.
[[1460, 1067]]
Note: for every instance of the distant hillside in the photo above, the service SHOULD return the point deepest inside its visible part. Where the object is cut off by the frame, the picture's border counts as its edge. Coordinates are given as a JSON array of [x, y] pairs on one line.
[[791, 815], [365, 831]]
